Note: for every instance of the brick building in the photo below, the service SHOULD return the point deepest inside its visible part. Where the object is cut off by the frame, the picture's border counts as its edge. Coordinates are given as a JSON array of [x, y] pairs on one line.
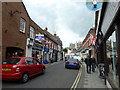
[[54, 47], [19, 33], [34, 47], [15, 27], [88, 44]]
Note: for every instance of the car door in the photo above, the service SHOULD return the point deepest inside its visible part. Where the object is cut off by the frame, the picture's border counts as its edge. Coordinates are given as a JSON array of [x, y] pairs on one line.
[[38, 66], [30, 65]]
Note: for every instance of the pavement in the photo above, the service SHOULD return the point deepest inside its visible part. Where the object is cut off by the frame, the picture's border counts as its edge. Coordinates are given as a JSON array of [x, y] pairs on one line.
[[91, 80]]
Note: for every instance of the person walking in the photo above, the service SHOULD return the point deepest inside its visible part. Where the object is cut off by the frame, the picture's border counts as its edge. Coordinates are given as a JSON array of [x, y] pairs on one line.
[[41, 59], [16, 54], [51, 61], [88, 64], [93, 63]]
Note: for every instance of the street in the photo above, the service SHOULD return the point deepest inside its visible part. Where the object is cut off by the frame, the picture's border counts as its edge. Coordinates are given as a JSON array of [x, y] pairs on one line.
[[56, 76], [41, 39]]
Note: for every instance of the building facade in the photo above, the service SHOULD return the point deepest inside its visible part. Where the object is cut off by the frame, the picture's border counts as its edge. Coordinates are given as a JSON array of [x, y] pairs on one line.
[[88, 44], [108, 42], [22, 36], [15, 25]]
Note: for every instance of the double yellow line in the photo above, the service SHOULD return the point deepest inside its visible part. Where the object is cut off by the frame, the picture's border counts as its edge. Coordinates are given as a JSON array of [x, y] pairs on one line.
[[74, 86]]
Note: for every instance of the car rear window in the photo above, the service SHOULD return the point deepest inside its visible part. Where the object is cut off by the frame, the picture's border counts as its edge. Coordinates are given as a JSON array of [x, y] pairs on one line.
[[11, 61], [72, 60]]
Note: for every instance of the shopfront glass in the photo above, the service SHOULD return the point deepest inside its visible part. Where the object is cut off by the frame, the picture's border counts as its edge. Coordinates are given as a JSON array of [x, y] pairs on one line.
[[111, 51]]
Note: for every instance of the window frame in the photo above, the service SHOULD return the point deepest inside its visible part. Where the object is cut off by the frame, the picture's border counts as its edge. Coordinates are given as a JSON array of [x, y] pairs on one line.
[[28, 59], [22, 25], [32, 32]]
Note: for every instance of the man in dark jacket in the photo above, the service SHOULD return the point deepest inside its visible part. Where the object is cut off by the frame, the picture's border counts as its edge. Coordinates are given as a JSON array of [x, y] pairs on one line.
[[93, 64], [88, 62]]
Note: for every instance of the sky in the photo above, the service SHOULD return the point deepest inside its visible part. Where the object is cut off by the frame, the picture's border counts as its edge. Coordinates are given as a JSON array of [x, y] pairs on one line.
[[69, 19]]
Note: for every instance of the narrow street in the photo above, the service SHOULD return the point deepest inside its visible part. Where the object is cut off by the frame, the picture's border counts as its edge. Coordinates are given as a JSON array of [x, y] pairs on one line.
[[49, 36], [56, 76]]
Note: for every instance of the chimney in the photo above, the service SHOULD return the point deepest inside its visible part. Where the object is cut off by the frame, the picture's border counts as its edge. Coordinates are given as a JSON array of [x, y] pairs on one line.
[[46, 28], [55, 34]]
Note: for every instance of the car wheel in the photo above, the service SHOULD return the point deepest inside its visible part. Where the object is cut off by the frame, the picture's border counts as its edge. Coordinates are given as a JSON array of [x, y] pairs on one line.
[[25, 78], [43, 70]]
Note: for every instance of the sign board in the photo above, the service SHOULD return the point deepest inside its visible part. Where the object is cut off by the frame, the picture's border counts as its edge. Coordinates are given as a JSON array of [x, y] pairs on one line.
[[39, 37], [94, 5]]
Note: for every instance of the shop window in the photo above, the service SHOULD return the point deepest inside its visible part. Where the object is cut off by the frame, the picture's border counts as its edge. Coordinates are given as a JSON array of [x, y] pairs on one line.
[[32, 32], [111, 51], [22, 25]]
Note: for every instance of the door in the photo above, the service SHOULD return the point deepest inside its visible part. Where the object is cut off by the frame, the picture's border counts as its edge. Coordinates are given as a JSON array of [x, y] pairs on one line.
[[38, 66], [31, 66]]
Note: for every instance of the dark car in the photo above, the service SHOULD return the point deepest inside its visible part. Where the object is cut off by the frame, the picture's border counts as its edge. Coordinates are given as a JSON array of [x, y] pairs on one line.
[[72, 63], [21, 68]]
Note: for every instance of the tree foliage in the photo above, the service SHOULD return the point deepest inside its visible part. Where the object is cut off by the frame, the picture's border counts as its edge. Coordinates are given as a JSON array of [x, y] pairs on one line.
[[65, 50]]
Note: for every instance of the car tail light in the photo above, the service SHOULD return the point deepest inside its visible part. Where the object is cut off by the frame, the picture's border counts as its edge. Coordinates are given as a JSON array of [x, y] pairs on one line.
[[77, 63], [66, 62], [17, 69]]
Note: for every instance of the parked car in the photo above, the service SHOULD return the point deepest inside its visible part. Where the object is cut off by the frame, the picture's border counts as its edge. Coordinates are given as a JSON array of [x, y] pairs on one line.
[[21, 68], [72, 63]]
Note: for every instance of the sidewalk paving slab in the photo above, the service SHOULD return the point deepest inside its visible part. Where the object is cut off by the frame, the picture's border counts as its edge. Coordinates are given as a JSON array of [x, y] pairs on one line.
[[92, 80]]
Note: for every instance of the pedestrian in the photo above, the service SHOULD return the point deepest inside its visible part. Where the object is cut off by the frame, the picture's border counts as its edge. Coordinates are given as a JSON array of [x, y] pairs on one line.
[[13, 55], [41, 60], [51, 61], [82, 59], [93, 63], [88, 64], [16, 54]]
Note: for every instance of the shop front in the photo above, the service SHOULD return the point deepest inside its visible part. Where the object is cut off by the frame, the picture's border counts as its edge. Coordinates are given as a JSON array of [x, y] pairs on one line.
[[112, 59], [46, 53], [55, 55], [37, 50], [108, 44], [108, 53], [14, 52]]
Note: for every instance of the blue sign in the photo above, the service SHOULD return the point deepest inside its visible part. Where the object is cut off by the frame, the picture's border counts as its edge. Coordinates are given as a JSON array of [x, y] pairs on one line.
[[46, 49], [94, 5], [39, 37]]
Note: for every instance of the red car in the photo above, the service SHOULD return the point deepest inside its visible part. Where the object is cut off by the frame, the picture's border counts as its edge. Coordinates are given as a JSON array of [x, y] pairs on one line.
[[21, 68]]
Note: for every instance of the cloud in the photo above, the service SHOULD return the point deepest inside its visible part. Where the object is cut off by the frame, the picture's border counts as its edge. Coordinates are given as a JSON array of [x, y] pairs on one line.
[[70, 19]]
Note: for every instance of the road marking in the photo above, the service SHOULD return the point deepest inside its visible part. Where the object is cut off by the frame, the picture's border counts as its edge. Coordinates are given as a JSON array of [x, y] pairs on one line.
[[74, 86]]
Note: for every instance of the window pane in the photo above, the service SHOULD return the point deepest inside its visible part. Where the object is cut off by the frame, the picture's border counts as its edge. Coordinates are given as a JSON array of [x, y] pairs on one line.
[[29, 61], [112, 58], [11, 61], [22, 25], [31, 32]]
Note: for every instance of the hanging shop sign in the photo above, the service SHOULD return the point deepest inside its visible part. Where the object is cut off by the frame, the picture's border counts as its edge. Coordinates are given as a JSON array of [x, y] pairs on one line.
[[94, 5], [39, 37]]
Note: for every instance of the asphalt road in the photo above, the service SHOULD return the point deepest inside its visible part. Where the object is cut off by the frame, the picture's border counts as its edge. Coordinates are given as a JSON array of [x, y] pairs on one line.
[[56, 76]]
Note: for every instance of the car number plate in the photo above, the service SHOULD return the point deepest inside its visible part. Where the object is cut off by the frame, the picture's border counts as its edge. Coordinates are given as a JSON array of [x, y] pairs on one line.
[[71, 63], [6, 69]]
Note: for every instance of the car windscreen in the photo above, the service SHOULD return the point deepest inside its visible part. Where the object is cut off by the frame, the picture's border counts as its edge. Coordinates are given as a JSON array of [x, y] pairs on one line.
[[11, 61], [72, 60]]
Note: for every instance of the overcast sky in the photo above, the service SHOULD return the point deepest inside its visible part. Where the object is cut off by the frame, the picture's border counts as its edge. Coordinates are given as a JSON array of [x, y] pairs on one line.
[[69, 19]]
